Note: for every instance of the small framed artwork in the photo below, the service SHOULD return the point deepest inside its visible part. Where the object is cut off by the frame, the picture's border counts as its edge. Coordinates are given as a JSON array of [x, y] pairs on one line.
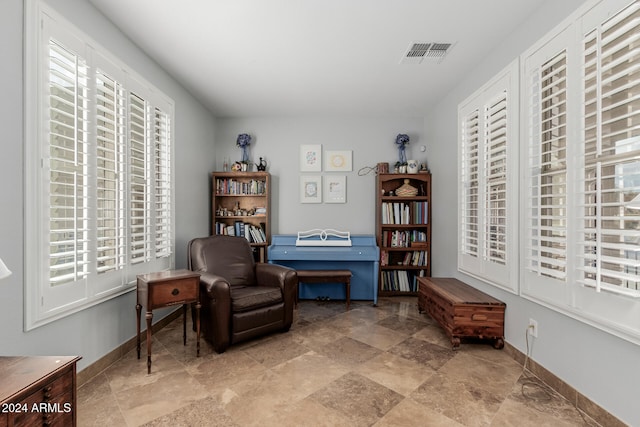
[[310, 189], [338, 161], [335, 189], [311, 158]]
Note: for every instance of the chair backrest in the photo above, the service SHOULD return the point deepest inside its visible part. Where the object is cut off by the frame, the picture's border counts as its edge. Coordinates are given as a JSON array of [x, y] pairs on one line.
[[227, 256]]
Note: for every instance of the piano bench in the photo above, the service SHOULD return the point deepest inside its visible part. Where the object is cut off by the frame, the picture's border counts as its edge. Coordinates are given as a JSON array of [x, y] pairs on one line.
[[327, 276]]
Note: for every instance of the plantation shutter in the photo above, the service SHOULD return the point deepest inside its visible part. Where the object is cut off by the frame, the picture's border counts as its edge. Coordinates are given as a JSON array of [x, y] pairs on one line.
[[139, 182], [610, 247], [163, 192], [546, 213], [68, 174], [495, 167], [488, 162], [111, 173], [470, 179]]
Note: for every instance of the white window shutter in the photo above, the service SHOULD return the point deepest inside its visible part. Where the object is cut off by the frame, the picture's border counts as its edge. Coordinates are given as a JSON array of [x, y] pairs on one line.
[[470, 191], [163, 192], [610, 244], [546, 226], [139, 180], [111, 173], [68, 175], [495, 173], [488, 159]]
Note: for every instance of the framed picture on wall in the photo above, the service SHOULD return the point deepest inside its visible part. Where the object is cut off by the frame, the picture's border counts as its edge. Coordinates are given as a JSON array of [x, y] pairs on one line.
[[335, 189], [311, 158], [338, 161], [310, 189]]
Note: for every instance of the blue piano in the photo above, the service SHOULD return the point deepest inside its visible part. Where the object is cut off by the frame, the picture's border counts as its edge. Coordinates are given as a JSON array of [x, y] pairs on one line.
[[361, 257]]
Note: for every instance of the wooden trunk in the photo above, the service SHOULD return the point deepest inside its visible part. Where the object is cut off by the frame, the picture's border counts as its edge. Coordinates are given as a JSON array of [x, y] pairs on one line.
[[463, 311]]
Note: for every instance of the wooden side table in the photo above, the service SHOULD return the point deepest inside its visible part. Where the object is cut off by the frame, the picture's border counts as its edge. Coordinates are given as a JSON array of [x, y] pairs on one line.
[[165, 289]]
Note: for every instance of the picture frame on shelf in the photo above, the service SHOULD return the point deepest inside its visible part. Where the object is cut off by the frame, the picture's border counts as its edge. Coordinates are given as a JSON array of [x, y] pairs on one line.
[[311, 158], [310, 189], [338, 161], [335, 188]]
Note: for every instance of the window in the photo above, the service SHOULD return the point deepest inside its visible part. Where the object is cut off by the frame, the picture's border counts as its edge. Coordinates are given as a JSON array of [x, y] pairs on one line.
[[548, 170], [488, 162], [99, 173], [582, 130], [611, 154]]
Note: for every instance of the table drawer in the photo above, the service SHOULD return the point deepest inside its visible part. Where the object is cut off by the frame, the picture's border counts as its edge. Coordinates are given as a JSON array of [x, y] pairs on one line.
[[174, 292]]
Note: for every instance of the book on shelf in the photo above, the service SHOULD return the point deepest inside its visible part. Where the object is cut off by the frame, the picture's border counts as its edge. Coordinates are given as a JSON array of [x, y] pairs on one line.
[[252, 233], [404, 238], [232, 186], [400, 280], [405, 212]]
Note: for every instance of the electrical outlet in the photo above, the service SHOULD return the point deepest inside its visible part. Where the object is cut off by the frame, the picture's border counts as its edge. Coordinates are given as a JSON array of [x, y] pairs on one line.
[[533, 328]]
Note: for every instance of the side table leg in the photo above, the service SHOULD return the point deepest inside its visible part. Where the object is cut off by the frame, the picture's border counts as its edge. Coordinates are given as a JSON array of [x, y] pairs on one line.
[[198, 329], [184, 324], [138, 310], [149, 317], [348, 292]]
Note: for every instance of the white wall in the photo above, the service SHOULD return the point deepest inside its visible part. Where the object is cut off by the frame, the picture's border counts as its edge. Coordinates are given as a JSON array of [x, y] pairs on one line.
[[93, 332], [372, 140], [599, 365]]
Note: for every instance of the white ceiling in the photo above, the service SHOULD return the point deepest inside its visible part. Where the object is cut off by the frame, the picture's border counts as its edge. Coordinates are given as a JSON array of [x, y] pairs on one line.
[[252, 58]]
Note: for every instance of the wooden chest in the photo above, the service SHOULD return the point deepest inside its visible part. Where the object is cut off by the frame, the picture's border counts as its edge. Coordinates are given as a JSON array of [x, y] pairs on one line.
[[38, 391], [463, 311]]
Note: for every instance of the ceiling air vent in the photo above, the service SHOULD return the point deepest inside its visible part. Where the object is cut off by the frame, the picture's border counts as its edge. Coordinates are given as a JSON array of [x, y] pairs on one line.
[[419, 51]]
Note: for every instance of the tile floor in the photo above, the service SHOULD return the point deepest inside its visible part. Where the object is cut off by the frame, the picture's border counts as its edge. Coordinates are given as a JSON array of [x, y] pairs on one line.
[[382, 366]]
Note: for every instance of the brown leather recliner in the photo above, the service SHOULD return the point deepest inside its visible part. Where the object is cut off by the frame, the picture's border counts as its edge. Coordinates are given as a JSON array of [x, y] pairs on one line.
[[241, 299]]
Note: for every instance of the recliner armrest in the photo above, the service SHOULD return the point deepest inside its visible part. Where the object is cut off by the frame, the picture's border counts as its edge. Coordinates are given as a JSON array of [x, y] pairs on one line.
[[275, 275], [216, 287]]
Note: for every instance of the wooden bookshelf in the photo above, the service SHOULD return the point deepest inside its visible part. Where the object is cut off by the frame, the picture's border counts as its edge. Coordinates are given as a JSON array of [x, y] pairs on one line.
[[241, 206], [403, 232]]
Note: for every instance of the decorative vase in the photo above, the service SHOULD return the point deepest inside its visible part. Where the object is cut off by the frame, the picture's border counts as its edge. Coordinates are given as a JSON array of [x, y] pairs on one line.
[[412, 166]]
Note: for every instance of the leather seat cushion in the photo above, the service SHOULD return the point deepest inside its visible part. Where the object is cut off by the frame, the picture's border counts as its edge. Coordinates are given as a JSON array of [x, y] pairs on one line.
[[244, 298]]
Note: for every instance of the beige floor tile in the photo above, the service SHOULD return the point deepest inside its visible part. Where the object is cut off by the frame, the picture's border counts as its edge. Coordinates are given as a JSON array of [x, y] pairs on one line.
[[307, 413], [225, 370], [275, 350], [409, 413], [423, 352], [349, 352], [378, 336], [203, 412], [399, 374], [493, 377], [147, 402], [459, 400], [358, 398]]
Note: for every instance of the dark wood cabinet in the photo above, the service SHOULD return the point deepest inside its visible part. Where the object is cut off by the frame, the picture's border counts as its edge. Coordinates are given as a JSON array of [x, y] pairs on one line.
[[403, 231], [38, 391]]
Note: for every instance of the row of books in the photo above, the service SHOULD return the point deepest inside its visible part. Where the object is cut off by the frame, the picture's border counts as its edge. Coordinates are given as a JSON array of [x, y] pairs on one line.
[[252, 233], [405, 213], [233, 186], [413, 258], [400, 280], [403, 239]]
